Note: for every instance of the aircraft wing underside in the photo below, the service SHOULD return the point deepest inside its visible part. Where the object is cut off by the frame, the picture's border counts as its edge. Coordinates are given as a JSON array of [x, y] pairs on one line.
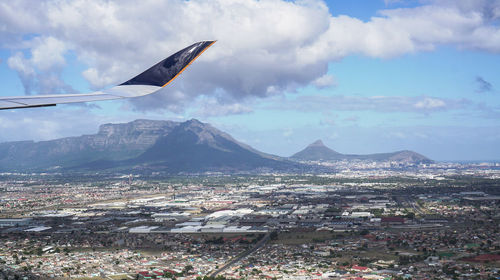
[[150, 81]]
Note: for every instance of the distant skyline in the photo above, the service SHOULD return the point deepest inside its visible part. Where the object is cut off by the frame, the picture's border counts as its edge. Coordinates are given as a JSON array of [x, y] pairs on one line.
[[363, 76]]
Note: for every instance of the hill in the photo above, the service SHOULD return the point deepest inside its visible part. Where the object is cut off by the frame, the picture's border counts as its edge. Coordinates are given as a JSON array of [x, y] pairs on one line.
[[317, 151]]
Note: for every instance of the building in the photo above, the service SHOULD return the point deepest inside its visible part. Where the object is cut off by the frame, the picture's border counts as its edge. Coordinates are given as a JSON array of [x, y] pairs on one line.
[[15, 222]]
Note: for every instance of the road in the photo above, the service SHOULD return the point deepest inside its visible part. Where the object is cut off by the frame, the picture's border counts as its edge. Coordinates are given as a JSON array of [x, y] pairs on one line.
[[415, 206], [243, 255]]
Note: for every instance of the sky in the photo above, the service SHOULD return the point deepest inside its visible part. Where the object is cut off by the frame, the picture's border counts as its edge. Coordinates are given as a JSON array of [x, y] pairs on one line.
[[365, 76]]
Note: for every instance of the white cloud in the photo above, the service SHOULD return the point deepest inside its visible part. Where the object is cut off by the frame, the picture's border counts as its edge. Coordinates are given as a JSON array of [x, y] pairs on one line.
[[25, 71], [430, 104], [406, 30], [20, 64], [175, 101], [211, 107], [41, 124], [41, 72], [264, 47], [417, 104], [324, 81], [48, 53]]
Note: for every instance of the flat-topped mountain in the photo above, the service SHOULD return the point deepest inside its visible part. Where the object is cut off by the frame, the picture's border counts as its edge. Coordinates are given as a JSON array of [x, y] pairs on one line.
[[317, 151], [190, 146], [112, 142]]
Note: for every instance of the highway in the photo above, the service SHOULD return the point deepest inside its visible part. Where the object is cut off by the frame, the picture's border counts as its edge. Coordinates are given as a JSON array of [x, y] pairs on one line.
[[243, 255]]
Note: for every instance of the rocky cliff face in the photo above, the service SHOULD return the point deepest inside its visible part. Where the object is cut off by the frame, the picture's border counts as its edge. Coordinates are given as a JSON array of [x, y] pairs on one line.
[[193, 146], [112, 142], [139, 134]]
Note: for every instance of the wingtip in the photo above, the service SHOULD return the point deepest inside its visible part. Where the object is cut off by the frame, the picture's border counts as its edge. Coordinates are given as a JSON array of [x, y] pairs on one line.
[[162, 73], [210, 43]]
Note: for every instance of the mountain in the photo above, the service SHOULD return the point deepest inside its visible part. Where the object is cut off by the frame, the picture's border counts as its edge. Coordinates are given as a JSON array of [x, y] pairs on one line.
[[171, 147], [317, 151], [195, 146], [112, 142], [191, 146]]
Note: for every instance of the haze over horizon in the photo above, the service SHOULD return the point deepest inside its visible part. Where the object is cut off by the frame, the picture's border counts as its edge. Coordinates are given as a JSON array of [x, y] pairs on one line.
[[363, 77]]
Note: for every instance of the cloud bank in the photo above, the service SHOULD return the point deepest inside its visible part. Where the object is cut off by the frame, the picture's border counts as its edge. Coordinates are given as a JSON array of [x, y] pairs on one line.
[[407, 104], [264, 47]]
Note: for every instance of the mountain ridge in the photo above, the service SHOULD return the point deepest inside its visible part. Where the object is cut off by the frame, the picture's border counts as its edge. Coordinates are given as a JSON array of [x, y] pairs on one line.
[[205, 148], [190, 146], [317, 151], [112, 142]]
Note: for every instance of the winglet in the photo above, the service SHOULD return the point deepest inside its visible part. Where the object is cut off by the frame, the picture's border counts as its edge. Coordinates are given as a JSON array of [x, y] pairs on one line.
[[165, 71]]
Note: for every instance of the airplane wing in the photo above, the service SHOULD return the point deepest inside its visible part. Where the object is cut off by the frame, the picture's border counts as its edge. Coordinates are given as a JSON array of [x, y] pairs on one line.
[[149, 81]]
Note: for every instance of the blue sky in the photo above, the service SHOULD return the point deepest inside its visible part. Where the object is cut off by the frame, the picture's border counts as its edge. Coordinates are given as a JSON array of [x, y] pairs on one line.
[[363, 76]]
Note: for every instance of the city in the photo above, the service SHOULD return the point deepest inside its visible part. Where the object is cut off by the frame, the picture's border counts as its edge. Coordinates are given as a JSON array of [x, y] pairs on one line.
[[439, 222]]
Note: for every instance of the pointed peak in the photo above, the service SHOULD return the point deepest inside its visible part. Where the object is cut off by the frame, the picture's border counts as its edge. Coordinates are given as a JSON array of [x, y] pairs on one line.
[[317, 143], [316, 151], [194, 121], [203, 131]]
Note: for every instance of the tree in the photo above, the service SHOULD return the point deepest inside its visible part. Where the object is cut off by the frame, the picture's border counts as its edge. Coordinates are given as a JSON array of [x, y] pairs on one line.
[[187, 269], [410, 215], [364, 232], [274, 235]]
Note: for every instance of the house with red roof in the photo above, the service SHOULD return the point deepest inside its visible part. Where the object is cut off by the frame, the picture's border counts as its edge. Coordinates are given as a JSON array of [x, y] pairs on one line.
[[361, 268]]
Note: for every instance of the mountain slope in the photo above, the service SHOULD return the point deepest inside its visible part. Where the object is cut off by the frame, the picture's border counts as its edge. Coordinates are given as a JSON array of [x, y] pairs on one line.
[[194, 146]]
